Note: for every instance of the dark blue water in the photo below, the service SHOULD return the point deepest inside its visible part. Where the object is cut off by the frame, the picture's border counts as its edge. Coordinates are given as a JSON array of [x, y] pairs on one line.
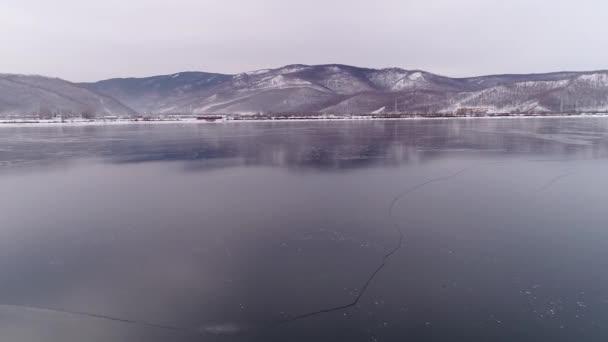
[[428, 230]]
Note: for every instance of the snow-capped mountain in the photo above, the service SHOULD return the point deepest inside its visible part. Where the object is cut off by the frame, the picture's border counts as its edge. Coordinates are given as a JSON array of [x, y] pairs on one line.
[[25, 95], [313, 89], [342, 89]]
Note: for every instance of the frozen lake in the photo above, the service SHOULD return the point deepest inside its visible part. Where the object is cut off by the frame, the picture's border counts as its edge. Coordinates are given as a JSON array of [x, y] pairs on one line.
[[416, 230]]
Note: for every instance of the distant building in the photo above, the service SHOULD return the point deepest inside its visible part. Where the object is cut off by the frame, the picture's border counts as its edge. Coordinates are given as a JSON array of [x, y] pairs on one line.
[[474, 111], [209, 118]]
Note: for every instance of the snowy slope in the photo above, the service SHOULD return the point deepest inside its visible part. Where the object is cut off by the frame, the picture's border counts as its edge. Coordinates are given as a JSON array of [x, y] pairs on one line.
[[297, 88]]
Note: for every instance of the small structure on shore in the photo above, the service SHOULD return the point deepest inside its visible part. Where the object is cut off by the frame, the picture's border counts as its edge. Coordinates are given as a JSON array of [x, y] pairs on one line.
[[474, 111], [209, 118]]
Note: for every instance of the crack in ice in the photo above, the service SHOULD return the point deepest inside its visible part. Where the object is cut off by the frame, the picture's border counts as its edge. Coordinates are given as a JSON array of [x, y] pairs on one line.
[[386, 257], [98, 316], [384, 261], [553, 181]]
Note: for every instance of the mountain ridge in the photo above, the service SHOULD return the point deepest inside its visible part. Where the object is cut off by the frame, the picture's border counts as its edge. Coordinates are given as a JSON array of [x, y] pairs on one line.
[[22, 95], [311, 89]]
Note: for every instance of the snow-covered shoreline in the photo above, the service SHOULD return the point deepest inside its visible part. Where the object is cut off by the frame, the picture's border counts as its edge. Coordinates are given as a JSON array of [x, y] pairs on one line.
[[102, 122]]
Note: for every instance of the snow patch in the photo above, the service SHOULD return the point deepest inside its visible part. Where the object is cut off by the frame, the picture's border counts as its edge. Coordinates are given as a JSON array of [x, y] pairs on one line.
[[542, 84], [281, 82], [387, 78], [595, 79], [379, 110], [257, 72], [292, 69], [415, 76]]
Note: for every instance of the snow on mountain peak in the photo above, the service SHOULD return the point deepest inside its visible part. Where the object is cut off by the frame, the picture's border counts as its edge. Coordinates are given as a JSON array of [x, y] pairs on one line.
[[292, 68], [334, 68], [415, 76], [598, 79], [257, 72], [414, 80]]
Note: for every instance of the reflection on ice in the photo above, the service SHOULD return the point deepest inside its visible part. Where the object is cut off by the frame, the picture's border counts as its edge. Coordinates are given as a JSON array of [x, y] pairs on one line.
[[326, 145], [183, 233]]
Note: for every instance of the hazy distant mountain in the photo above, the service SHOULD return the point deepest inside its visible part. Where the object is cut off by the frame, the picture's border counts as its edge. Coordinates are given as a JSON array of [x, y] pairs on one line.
[[22, 95], [337, 89], [160, 94]]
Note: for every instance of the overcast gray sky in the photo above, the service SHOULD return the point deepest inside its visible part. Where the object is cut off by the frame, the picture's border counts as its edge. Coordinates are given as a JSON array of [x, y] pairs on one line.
[[82, 40]]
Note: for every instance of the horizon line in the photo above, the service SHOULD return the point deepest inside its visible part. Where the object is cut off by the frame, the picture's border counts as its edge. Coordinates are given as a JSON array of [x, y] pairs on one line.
[[588, 71]]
